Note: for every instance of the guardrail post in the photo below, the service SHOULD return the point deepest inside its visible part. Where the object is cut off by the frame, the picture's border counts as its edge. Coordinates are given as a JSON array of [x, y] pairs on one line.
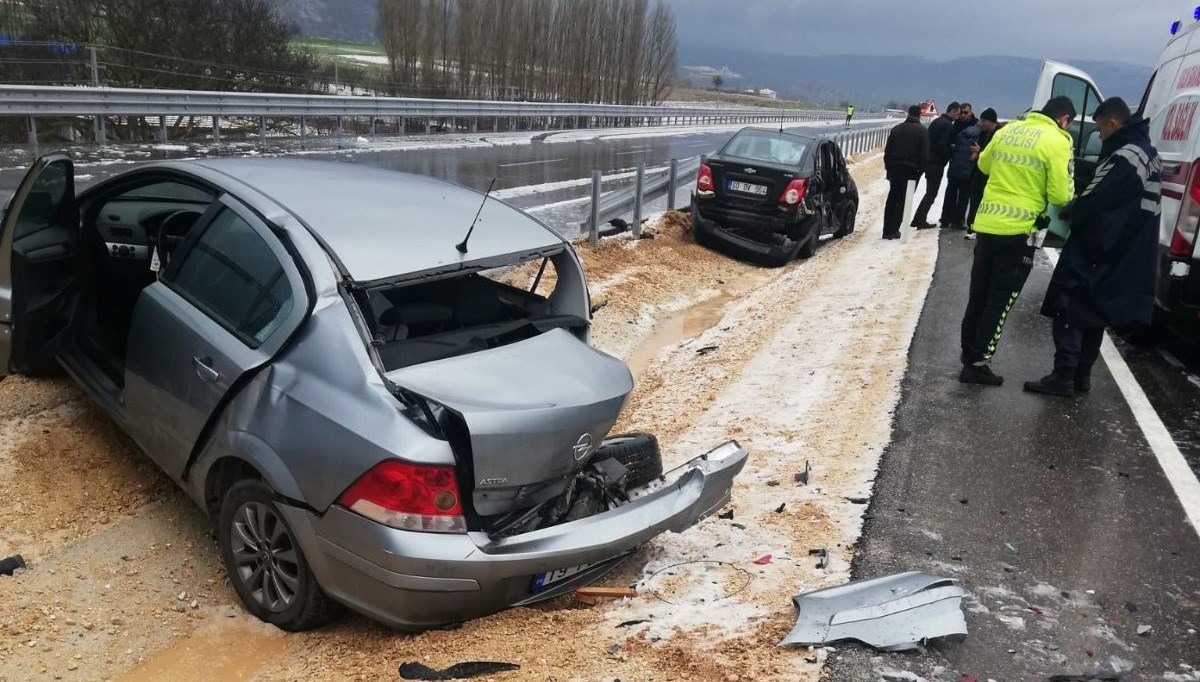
[[594, 218], [162, 128], [372, 125], [338, 123], [428, 126], [637, 200], [216, 129], [33, 133], [672, 183], [262, 130], [303, 129], [474, 124]]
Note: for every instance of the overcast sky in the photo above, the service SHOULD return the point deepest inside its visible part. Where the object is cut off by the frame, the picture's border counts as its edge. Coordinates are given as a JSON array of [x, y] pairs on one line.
[[1118, 30]]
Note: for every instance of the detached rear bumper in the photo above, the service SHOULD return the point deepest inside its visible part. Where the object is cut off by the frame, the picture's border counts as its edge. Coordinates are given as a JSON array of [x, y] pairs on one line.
[[421, 580]]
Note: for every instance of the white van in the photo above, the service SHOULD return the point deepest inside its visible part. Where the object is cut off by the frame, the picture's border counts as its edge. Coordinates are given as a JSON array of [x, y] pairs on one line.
[[1171, 102]]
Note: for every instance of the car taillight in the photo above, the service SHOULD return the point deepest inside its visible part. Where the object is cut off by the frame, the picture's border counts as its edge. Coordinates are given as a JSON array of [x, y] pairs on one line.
[[794, 192], [409, 497], [1189, 216], [704, 179]]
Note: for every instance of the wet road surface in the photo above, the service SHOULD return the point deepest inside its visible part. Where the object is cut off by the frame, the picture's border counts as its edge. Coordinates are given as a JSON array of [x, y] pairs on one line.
[[1054, 512]]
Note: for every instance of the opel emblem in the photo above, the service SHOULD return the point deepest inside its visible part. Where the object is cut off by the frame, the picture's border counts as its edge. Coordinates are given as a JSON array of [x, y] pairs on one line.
[[583, 447], [751, 171]]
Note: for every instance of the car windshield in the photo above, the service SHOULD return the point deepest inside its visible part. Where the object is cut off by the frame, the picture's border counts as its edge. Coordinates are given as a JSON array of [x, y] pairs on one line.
[[768, 147]]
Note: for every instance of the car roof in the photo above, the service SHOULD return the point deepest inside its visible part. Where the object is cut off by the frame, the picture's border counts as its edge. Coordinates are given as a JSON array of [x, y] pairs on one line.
[[382, 224]]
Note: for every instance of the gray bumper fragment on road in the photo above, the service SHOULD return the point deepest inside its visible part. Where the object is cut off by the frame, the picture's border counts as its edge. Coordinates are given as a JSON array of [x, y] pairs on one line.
[[894, 613]]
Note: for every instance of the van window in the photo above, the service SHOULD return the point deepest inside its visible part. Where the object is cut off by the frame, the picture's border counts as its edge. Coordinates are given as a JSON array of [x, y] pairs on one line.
[[1086, 100]]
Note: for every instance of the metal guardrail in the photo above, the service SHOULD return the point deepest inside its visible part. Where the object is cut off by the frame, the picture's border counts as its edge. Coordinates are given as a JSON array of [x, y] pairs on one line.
[[31, 102], [615, 204]]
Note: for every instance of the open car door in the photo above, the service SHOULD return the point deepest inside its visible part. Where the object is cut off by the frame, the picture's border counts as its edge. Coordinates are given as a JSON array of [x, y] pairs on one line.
[[37, 265], [1058, 79]]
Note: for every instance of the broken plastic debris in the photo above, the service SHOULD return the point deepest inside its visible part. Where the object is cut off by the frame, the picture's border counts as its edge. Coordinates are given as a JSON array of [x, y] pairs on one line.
[[727, 515], [763, 560], [857, 500], [894, 613], [706, 350], [780, 508], [1144, 630], [1098, 677], [606, 592], [631, 623], [11, 564], [822, 555], [802, 477], [458, 671]]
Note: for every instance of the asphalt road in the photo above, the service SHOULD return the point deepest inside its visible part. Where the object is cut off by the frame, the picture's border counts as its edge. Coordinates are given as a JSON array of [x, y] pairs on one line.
[[512, 165], [1054, 512]]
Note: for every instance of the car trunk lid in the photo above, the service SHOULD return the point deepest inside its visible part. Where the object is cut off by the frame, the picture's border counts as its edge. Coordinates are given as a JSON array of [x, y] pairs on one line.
[[749, 185], [534, 411]]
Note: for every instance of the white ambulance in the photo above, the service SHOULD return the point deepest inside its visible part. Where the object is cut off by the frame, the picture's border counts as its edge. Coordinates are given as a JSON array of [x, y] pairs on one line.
[[1172, 103]]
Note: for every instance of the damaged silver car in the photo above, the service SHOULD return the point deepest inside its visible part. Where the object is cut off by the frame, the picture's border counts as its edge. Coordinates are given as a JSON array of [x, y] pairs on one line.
[[375, 413]]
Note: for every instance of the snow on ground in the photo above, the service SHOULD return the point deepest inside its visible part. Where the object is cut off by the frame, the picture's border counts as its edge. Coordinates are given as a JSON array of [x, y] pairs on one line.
[[379, 59]]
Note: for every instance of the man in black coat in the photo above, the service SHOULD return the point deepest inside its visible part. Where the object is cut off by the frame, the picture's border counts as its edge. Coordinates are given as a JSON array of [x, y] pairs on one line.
[[964, 137], [939, 136], [905, 157], [1105, 274], [988, 125]]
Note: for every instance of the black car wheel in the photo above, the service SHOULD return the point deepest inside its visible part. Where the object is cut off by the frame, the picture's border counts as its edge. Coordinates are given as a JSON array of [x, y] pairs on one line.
[[264, 562], [640, 454], [849, 215], [810, 243]]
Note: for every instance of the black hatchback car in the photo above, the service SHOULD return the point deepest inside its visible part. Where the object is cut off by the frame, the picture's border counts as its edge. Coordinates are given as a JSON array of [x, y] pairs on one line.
[[768, 196]]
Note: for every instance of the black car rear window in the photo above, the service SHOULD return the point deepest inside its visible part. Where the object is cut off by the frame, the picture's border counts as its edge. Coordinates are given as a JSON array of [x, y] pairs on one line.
[[771, 148]]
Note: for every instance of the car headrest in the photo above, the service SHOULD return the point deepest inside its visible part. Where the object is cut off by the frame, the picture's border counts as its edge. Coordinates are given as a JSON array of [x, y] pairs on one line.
[[416, 313]]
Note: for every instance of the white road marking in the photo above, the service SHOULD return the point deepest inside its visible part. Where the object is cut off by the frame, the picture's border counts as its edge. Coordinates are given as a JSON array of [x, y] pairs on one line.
[[1181, 477], [528, 163]]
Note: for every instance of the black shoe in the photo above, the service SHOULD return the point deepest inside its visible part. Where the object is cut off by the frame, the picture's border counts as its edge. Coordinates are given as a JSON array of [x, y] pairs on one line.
[[1059, 382], [1083, 380], [979, 374], [924, 226], [891, 235]]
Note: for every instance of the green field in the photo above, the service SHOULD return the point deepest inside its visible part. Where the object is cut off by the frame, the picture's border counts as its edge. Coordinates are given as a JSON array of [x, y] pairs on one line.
[[326, 46]]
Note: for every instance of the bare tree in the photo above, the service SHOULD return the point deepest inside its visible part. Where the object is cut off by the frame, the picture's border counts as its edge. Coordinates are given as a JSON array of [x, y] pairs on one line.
[[718, 80], [547, 50]]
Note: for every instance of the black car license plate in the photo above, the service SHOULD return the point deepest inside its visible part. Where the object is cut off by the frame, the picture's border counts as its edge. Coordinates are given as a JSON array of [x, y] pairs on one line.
[[748, 188]]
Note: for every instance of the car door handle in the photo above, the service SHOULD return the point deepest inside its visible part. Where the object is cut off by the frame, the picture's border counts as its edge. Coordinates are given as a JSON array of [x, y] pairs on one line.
[[204, 369]]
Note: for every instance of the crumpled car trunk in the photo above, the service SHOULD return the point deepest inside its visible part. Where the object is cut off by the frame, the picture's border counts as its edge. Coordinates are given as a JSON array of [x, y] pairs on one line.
[[533, 411]]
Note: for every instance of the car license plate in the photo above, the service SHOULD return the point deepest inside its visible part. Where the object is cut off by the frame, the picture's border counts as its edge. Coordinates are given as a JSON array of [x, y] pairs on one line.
[[760, 190], [543, 580]]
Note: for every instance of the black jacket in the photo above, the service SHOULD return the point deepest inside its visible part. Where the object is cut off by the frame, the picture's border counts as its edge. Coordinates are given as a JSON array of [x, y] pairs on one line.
[[939, 141], [906, 155], [985, 138], [966, 133], [1105, 276]]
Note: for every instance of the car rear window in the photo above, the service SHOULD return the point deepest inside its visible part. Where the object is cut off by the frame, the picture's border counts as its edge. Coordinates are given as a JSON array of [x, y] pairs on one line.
[[779, 148]]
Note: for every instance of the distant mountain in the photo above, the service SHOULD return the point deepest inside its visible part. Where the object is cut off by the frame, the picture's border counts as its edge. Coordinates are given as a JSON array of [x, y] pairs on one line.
[[1005, 83], [334, 19]]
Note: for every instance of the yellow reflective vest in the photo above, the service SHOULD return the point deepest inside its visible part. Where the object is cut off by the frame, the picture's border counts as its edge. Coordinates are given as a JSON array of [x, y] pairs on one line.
[[1030, 164]]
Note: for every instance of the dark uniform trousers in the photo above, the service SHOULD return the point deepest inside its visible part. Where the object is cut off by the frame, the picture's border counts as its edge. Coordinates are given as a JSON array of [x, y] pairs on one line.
[[1076, 347], [1002, 264]]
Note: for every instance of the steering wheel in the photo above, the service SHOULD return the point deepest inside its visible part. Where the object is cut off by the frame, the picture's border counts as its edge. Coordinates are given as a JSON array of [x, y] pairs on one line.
[[172, 231]]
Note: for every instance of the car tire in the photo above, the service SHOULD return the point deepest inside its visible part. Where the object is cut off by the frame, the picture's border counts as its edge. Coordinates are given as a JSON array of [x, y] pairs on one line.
[[848, 217], [808, 247], [640, 454], [286, 593]]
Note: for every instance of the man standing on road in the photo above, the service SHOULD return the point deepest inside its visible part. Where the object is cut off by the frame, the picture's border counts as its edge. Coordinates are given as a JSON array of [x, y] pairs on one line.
[[988, 125], [958, 150], [939, 143], [1105, 275], [849, 114], [905, 156], [1029, 165]]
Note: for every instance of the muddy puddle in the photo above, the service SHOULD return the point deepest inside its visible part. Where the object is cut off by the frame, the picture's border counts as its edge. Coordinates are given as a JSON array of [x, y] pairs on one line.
[[222, 653], [689, 324]]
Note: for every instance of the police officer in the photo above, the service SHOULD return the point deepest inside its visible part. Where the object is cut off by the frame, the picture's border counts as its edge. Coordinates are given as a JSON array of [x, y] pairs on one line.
[[1029, 165], [1105, 276], [849, 114]]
